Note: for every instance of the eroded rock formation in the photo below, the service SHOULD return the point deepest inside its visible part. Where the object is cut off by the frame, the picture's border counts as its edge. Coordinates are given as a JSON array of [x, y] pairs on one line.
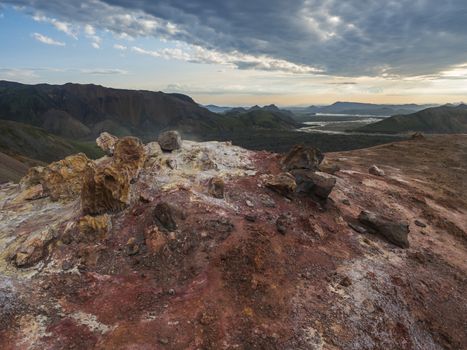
[[106, 186], [60, 180]]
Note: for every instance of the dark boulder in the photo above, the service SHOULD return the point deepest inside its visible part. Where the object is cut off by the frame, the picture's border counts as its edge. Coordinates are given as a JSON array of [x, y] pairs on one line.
[[165, 214], [170, 141], [314, 183], [395, 232]]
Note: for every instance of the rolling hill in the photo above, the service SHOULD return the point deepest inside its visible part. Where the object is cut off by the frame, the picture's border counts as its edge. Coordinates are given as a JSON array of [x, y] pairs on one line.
[[23, 145], [267, 117], [437, 120]]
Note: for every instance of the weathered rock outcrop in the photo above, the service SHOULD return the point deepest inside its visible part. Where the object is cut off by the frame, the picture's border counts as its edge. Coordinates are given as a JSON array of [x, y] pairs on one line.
[[60, 180], [33, 249], [182, 269], [106, 189], [283, 183], [153, 154], [129, 155], [106, 186], [93, 228]]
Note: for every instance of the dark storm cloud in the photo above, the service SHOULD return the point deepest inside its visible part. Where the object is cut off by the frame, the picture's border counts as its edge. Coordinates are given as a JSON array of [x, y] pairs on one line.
[[349, 38]]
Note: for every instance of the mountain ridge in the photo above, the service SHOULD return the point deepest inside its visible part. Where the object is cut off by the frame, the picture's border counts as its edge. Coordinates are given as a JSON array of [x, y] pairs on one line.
[[443, 119]]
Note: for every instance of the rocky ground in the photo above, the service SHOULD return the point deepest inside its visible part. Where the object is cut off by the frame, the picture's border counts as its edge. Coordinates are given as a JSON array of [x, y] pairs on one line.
[[211, 246]]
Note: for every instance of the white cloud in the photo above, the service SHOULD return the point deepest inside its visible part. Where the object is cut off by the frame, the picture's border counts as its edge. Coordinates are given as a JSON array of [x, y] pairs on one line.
[[371, 38], [47, 40], [198, 54], [120, 47], [17, 74], [89, 30], [104, 71], [61, 26], [90, 33]]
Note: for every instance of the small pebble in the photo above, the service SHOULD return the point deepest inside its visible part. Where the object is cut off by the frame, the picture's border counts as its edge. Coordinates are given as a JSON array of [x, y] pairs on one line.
[[251, 218], [419, 223]]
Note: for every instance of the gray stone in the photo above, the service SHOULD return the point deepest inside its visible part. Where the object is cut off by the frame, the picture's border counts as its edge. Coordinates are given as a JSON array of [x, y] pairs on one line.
[[170, 140], [419, 223], [374, 170], [317, 183], [395, 232]]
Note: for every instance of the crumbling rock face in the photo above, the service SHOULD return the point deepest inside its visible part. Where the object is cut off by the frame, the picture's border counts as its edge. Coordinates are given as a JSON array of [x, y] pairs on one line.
[[106, 189], [106, 186], [106, 142], [153, 154], [283, 183], [393, 231], [170, 141], [303, 157], [93, 228], [60, 180], [33, 250], [33, 177], [129, 154]]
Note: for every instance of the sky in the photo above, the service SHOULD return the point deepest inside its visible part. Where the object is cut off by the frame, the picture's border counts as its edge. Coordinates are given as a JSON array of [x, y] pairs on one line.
[[235, 52]]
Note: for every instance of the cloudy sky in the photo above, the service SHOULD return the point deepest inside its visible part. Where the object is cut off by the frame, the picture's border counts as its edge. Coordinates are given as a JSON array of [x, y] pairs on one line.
[[235, 52]]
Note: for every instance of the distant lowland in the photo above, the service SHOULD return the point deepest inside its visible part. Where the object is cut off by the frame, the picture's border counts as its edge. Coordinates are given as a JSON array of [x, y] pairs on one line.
[[42, 123]]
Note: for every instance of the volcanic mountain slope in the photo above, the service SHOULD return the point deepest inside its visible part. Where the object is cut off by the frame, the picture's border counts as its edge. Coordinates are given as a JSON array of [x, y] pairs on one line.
[[29, 145], [213, 247], [11, 169], [437, 120], [83, 111], [264, 118]]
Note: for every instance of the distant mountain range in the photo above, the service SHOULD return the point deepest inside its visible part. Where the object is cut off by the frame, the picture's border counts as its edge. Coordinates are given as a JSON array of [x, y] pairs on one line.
[[361, 108], [442, 120], [337, 108]]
